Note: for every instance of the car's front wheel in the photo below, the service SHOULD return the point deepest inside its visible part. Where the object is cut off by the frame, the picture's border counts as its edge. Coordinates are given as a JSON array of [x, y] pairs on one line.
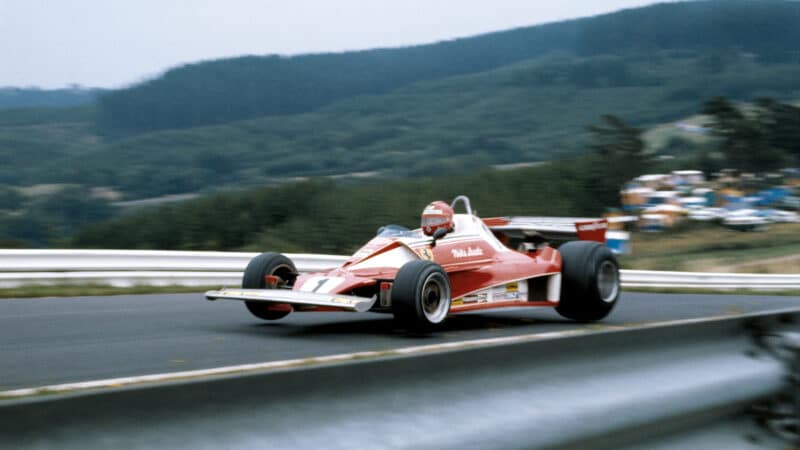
[[261, 266], [421, 294], [590, 283]]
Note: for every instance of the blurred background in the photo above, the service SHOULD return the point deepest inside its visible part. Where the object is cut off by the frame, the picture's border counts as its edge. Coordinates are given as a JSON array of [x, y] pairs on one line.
[[255, 127]]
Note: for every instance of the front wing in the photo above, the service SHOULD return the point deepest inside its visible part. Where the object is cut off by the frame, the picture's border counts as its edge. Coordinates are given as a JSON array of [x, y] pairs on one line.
[[344, 302]]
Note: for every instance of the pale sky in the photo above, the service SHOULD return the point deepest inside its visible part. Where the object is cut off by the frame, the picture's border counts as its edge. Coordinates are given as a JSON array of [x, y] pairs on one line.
[[114, 43]]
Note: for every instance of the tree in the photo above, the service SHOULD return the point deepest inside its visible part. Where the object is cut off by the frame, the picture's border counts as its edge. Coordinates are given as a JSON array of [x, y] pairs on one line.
[[10, 198], [781, 125], [68, 209], [745, 140], [618, 156]]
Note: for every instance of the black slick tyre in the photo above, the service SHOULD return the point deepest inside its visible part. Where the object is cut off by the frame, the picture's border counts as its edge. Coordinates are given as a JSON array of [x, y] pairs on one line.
[[589, 281], [421, 295], [260, 266]]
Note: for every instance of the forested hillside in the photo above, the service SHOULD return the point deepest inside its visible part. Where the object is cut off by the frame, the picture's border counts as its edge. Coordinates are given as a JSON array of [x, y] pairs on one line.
[[225, 90], [323, 217], [12, 97], [434, 111], [546, 84], [532, 111]]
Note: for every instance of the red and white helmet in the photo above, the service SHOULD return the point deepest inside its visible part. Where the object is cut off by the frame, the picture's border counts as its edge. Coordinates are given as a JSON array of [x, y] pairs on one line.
[[437, 215]]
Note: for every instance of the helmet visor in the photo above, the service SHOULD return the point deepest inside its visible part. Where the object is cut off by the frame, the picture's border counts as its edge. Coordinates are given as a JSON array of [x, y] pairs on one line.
[[432, 221]]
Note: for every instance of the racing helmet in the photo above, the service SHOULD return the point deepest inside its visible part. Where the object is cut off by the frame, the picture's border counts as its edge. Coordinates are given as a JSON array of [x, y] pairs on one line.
[[437, 215]]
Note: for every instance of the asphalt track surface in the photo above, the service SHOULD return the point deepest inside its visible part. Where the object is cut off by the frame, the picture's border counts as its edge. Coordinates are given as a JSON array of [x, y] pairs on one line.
[[48, 341]]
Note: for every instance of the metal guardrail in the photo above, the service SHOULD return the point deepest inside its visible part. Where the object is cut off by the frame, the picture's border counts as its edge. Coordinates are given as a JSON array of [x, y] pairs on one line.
[[122, 279], [144, 260], [708, 383], [125, 268], [709, 280]]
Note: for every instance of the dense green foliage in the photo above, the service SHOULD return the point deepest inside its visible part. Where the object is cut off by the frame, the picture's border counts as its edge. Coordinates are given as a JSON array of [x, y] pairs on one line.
[[10, 199], [324, 217], [766, 138], [532, 111], [568, 75], [321, 216], [767, 28], [226, 90], [437, 112], [618, 156], [48, 219], [38, 143], [11, 97]]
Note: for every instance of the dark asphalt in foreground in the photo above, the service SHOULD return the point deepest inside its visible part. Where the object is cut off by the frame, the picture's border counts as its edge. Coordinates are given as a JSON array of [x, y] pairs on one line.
[[61, 340]]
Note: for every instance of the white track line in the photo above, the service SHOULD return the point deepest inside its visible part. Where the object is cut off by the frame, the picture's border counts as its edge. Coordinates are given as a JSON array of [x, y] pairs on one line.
[[245, 369]]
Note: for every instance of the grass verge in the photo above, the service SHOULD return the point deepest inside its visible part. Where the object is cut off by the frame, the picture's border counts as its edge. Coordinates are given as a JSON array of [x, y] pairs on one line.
[[713, 248], [96, 290], [649, 290]]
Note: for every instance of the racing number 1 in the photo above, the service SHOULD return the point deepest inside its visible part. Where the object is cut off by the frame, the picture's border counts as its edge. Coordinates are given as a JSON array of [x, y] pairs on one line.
[[320, 283]]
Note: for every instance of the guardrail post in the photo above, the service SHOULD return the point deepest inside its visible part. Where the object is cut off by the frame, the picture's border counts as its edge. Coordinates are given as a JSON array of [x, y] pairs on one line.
[[792, 343]]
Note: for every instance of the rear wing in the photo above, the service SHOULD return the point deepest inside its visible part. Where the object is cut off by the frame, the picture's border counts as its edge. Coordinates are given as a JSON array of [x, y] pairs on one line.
[[550, 228]]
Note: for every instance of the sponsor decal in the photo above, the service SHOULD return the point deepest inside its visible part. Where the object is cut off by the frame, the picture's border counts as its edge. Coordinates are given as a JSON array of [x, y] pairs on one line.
[[457, 301], [425, 253], [594, 226], [346, 301], [232, 292], [512, 287], [238, 293], [479, 298], [432, 211], [467, 252]]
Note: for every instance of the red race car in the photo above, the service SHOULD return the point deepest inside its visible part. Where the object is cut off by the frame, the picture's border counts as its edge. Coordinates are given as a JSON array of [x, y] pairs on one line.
[[453, 263]]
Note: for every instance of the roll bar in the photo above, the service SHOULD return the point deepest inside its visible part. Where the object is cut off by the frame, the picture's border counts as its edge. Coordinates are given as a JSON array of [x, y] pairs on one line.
[[465, 200]]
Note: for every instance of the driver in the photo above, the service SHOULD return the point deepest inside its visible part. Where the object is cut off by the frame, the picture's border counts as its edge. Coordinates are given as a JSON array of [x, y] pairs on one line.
[[437, 215]]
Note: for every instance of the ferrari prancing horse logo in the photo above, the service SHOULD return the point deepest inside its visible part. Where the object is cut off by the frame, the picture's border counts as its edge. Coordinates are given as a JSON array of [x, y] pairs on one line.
[[425, 253]]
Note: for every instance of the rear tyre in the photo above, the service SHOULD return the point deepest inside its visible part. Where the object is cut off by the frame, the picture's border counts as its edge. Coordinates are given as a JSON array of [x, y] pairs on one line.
[[421, 295], [589, 281], [261, 266]]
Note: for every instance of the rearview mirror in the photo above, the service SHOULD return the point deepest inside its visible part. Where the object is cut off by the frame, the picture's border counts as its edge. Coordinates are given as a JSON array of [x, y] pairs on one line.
[[439, 233]]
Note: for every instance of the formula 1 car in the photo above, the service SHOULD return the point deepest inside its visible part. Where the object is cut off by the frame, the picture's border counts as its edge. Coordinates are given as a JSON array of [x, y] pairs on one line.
[[454, 263]]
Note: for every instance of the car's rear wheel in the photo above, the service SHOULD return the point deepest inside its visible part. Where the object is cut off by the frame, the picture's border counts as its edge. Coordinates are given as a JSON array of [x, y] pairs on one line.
[[261, 266], [590, 283], [421, 294]]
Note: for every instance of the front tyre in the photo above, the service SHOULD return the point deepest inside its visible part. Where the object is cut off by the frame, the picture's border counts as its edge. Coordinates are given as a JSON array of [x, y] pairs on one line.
[[590, 283], [421, 294], [261, 266]]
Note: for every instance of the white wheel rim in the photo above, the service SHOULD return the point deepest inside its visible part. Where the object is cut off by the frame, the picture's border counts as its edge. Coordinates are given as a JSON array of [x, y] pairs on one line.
[[608, 281], [435, 298]]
